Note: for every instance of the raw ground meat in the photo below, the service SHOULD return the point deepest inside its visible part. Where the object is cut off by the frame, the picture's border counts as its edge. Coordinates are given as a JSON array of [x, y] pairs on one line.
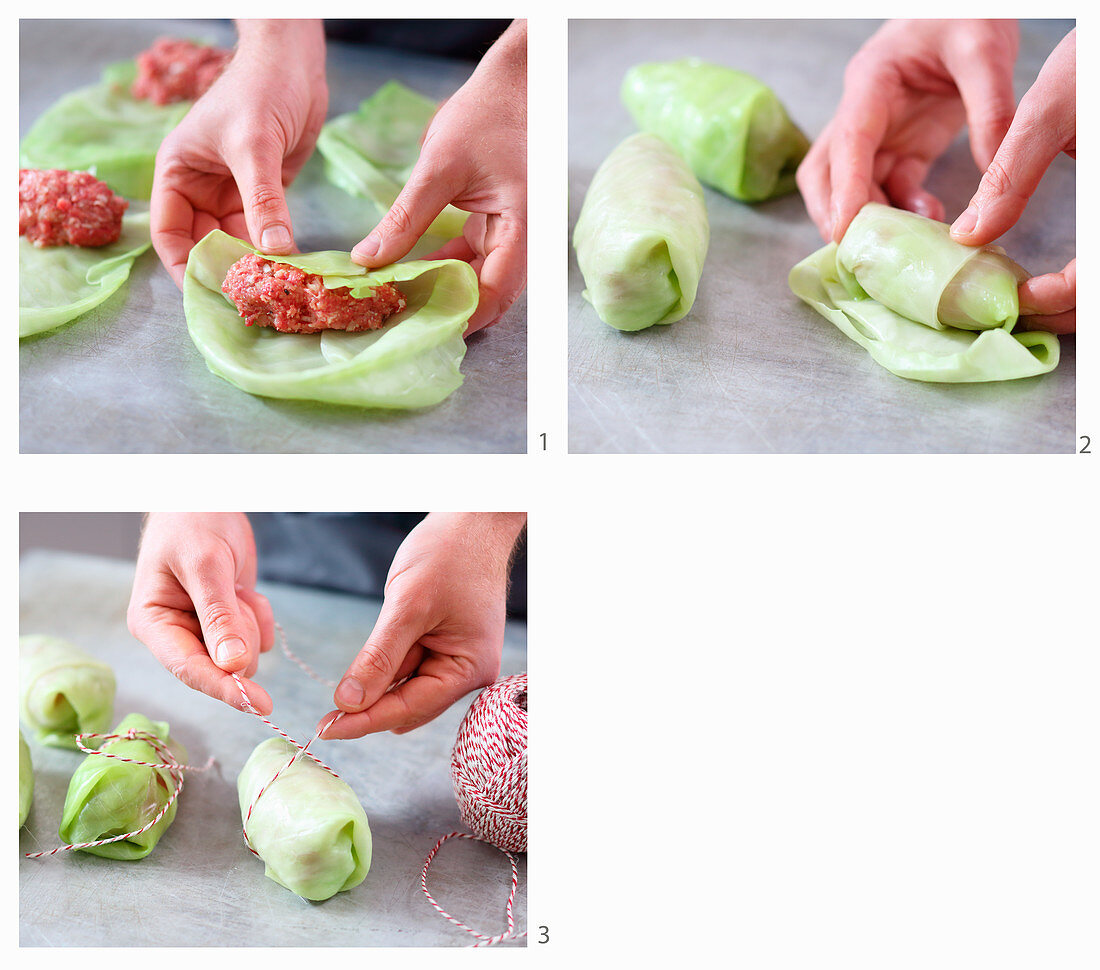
[[59, 208], [177, 70], [271, 294]]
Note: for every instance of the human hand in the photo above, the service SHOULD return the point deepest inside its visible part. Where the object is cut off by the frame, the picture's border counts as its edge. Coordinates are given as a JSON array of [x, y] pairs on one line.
[[474, 156], [226, 165], [441, 625], [1045, 125], [907, 92], [194, 603]]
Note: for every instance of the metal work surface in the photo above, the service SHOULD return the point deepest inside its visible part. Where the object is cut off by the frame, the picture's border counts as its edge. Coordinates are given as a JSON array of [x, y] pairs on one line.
[[751, 368], [201, 886], [125, 377]]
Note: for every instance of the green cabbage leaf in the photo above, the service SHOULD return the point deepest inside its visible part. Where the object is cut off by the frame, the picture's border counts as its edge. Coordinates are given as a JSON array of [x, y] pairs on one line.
[[411, 362]]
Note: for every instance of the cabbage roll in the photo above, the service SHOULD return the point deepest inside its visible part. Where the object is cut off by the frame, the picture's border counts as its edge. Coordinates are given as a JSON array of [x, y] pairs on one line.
[[26, 780], [308, 828], [915, 350], [63, 691], [108, 797], [912, 265], [732, 129], [642, 235]]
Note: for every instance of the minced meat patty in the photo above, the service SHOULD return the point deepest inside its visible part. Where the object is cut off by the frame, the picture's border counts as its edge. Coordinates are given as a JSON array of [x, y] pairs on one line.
[[270, 294], [177, 70], [61, 208]]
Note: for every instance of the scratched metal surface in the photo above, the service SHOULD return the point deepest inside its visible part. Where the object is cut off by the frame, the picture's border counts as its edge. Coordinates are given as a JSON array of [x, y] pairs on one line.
[[200, 885], [125, 377], [751, 368]]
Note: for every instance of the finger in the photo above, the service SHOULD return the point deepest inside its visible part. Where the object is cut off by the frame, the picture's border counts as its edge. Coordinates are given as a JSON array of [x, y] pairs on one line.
[[171, 220], [1045, 123], [264, 614], [1060, 323], [375, 668], [415, 702], [413, 211], [457, 248], [259, 180], [905, 188], [813, 183], [231, 635], [183, 655], [503, 274], [860, 126], [1051, 293], [984, 80]]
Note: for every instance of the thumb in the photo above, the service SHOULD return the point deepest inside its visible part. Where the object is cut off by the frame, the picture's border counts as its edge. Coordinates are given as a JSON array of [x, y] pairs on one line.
[[232, 641], [413, 211], [376, 667], [265, 210]]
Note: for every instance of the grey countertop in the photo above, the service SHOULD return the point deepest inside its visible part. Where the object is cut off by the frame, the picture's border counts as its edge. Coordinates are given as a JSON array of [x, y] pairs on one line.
[[751, 368], [125, 377], [201, 886]]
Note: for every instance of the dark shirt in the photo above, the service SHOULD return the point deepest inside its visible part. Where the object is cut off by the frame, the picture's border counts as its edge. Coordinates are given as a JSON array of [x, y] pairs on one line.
[[466, 40], [350, 552]]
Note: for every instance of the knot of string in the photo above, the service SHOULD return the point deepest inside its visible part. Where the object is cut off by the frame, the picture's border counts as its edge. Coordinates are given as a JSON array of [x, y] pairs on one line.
[[169, 763]]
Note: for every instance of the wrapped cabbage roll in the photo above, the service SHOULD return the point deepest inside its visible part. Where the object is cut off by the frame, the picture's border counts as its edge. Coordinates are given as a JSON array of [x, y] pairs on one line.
[[103, 128], [57, 284], [308, 828], [912, 265], [915, 350], [63, 691], [732, 129], [108, 797], [642, 235], [411, 362], [26, 780], [370, 152]]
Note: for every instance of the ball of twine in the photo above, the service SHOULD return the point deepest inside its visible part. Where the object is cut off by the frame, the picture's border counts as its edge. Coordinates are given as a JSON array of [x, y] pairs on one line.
[[489, 765]]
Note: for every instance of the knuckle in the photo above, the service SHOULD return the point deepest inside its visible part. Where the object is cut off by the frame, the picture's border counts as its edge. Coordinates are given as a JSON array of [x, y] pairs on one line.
[[398, 220], [997, 180], [373, 663]]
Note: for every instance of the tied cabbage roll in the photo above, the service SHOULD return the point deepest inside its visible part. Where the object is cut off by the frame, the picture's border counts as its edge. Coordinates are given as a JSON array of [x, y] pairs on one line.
[[63, 691], [411, 362], [642, 235], [26, 780], [103, 128], [60, 283], [926, 351], [308, 828], [732, 129], [912, 265], [370, 152], [108, 797]]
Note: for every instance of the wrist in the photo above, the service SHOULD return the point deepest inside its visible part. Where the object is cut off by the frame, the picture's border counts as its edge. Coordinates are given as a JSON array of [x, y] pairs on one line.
[[287, 43]]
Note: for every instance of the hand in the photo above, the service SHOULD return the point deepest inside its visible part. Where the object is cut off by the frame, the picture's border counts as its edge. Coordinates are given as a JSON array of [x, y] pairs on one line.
[[907, 93], [441, 625], [226, 165], [195, 605], [1045, 125], [474, 156]]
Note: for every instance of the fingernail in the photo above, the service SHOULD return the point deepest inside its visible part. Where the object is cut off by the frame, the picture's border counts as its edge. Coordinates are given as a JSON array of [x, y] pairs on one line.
[[965, 224], [229, 650], [350, 692], [275, 237], [368, 247]]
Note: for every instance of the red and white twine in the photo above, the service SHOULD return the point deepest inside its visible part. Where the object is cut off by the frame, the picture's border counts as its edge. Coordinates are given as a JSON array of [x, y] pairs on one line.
[[302, 749], [170, 763], [489, 774]]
